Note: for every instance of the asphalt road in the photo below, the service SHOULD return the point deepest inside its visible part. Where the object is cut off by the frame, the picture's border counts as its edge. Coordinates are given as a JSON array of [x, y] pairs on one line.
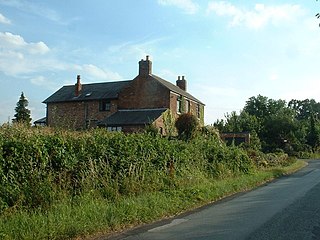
[[288, 208]]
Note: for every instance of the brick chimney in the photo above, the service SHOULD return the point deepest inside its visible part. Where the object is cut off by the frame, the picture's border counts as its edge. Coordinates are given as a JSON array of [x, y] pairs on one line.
[[182, 83], [145, 67], [78, 86]]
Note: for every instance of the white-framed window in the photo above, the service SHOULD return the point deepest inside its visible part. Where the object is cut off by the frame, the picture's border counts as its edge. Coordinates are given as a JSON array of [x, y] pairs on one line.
[[105, 105], [114, 129], [179, 104], [188, 109]]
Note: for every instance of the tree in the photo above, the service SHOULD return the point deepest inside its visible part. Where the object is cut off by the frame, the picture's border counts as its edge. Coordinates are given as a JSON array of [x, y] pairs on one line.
[[279, 130], [22, 112], [244, 122], [187, 125], [305, 109], [313, 138]]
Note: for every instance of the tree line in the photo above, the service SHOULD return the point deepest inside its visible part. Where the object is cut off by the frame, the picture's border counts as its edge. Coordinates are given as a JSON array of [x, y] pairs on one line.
[[276, 125]]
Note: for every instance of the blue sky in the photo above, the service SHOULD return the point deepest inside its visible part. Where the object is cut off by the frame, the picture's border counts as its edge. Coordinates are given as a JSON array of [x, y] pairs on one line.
[[228, 51]]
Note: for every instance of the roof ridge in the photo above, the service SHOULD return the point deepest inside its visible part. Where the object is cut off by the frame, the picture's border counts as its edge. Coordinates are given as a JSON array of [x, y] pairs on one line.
[[86, 84], [175, 88]]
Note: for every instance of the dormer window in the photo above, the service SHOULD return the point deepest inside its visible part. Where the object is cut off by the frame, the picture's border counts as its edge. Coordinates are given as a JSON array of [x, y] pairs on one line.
[[105, 105]]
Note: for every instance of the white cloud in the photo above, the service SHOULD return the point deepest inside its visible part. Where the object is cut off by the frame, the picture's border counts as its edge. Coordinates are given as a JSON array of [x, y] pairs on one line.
[[4, 20], [135, 49], [16, 42], [23, 59], [97, 73], [39, 80], [187, 5], [44, 82], [39, 9], [258, 17], [20, 57]]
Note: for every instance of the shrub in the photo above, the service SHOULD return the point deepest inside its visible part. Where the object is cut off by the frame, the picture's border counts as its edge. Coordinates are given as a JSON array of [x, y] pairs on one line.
[[41, 166], [187, 125]]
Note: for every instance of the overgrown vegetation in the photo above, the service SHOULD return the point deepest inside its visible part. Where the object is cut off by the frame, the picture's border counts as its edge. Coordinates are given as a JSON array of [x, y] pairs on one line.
[[50, 173], [187, 125], [293, 128]]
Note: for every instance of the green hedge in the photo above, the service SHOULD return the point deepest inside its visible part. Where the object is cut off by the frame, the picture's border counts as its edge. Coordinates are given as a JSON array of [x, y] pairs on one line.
[[39, 166]]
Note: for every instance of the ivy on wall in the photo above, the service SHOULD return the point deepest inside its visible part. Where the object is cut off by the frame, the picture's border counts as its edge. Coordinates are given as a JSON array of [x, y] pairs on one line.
[[169, 123], [201, 115]]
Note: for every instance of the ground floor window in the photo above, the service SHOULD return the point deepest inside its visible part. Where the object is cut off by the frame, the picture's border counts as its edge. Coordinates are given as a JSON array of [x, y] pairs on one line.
[[114, 129]]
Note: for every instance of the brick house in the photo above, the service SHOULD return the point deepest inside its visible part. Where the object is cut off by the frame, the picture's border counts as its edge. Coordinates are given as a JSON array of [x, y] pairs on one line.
[[123, 105]]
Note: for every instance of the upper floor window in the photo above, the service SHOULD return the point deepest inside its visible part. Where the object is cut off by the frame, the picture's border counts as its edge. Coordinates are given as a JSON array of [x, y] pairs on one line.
[[105, 105], [188, 106], [198, 110], [179, 104]]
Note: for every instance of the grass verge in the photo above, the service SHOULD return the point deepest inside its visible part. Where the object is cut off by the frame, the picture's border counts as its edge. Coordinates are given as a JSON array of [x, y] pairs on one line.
[[85, 216]]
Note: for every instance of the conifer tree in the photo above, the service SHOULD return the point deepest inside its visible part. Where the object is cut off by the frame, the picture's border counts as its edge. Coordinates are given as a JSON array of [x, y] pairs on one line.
[[22, 112]]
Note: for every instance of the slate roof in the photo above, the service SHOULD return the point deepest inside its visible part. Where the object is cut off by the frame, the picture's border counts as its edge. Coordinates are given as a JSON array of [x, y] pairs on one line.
[[94, 91], [132, 117], [107, 90], [41, 121], [175, 88]]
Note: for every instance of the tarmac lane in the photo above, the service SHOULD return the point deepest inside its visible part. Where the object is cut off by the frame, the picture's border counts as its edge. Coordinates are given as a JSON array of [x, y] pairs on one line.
[[288, 208]]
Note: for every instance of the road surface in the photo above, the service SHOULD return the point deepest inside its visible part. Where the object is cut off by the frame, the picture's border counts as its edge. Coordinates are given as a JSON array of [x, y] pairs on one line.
[[288, 208]]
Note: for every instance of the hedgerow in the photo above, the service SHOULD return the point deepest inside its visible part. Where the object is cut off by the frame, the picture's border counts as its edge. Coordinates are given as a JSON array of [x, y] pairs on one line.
[[41, 166]]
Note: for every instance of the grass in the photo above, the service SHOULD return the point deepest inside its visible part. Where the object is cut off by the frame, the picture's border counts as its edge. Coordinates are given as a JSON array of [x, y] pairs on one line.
[[88, 216]]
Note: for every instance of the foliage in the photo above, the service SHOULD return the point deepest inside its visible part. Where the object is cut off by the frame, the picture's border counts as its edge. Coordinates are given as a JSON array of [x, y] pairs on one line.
[[169, 123], [201, 115], [210, 131], [292, 127], [41, 166], [151, 129], [89, 214], [57, 184], [313, 137], [22, 112], [187, 125]]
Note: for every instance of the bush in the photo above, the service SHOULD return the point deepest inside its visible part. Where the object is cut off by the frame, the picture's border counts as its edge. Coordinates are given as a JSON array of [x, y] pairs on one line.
[[187, 125], [41, 166]]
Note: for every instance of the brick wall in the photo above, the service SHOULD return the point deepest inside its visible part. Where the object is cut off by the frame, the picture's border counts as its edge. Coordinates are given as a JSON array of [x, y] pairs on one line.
[[192, 106], [144, 92], [77, 115]]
